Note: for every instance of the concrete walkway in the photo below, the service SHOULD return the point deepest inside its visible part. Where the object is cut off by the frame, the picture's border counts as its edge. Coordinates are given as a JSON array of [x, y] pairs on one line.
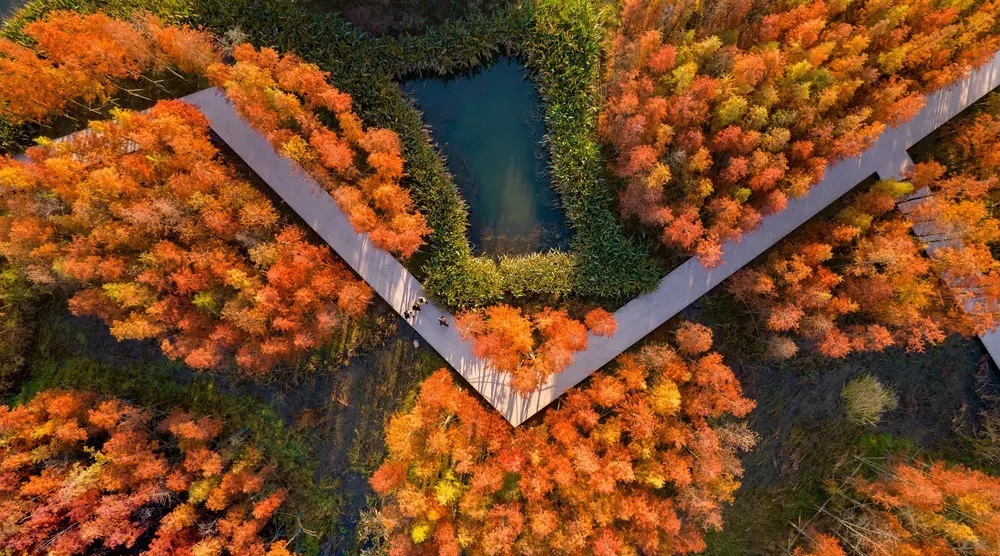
[[680, 288]]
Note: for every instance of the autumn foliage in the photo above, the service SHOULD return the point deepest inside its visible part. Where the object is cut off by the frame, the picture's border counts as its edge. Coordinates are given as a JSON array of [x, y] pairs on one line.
[[857, 282], [637, 461], [89, 58], [821, 545], [719, 112], [936, 509], [85, 475], [957, 217], [530, 347], [86, 58], [878, 275], [282, 97], [149, 230], [911, 509]]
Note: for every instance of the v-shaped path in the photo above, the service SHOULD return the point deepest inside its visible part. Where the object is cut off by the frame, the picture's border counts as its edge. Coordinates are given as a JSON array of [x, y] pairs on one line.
[[639, 317]]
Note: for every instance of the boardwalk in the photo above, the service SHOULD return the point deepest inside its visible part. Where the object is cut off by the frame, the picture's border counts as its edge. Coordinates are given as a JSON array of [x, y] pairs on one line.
[[684, 285]]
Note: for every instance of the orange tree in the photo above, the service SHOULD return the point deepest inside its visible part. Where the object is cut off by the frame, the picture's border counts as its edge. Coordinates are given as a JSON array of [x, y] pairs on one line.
[[637, 461], [718, 113], [821, 545], [85, 475], [288, 100], [912, 508], [78, 58], [530, 348], [150, 231], [862, 282]]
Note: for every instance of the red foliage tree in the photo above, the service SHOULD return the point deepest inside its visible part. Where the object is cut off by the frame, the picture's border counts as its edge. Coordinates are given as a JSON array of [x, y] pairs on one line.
[[693, 338], [958, 219], [718, 113], [936, 509], [530, 348], [154, 234], [912, 508], [83, 475], [635, 462], [601, 322], [88, 58], [282, 97], [822, 545], [861, 282]]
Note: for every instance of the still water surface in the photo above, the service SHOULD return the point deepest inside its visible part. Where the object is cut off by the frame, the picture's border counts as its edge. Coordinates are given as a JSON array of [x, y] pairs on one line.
[[490, 128], [7, 7]]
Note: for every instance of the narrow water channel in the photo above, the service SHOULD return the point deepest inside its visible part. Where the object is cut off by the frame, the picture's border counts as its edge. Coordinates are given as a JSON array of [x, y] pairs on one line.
[[489, 126]]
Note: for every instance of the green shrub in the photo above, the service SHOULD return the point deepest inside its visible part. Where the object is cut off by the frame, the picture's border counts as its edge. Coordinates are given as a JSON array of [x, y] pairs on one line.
[[985, 442], [564, 52], [548, 275], [866, 399], [562, 45], [473, 282], [18, 305]]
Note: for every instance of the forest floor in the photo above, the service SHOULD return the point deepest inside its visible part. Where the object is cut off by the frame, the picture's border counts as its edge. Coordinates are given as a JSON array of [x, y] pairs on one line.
[[805, 437]]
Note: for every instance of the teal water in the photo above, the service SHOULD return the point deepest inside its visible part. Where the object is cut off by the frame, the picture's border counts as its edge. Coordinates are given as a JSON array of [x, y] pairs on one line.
[[489, 127], [7, 7]]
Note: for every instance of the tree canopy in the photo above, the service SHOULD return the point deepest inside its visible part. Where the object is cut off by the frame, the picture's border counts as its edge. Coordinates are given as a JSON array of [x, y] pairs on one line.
[[862, 280], [288, 100], [85, 475], [641, 458], [78, 58], [719, 112], [147, 228], [532, 347]]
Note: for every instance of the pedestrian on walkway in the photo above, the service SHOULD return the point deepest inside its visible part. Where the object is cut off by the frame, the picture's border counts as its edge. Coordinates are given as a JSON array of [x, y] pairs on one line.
[[443, 321], [415, 307], [421, 300], [407, 314]]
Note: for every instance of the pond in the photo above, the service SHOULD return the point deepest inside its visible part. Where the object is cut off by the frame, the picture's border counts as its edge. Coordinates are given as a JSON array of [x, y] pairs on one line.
[[7, 7], [489, 126]]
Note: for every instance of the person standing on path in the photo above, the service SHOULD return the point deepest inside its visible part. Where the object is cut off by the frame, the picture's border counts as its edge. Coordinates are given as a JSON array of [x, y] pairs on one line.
[[443, 321]]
